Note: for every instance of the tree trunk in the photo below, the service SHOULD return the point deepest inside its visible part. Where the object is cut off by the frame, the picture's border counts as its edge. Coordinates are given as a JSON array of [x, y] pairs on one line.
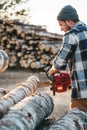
[[28, 113], [73, 120], [19, 93]]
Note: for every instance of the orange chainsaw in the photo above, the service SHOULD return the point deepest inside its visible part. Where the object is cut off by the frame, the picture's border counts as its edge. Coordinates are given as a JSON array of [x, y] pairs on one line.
[[59, 82]]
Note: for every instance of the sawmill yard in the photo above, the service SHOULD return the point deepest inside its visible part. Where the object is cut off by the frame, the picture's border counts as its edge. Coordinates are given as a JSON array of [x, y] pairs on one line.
[[10, 79]]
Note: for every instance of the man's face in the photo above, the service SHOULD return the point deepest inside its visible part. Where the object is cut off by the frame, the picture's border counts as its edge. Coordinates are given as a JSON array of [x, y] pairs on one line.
[[65, 25]]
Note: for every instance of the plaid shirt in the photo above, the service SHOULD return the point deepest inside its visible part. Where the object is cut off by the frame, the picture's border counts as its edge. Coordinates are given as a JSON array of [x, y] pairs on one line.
[[74, 52]]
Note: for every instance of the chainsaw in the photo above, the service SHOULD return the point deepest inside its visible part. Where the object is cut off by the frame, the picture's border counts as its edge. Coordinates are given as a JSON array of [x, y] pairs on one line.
[[59, 82]]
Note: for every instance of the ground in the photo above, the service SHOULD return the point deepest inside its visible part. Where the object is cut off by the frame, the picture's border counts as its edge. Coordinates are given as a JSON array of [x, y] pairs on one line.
[[11, 78]]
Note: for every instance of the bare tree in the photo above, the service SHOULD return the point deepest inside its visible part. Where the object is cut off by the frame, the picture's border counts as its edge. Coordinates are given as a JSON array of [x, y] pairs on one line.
[[15, 9]]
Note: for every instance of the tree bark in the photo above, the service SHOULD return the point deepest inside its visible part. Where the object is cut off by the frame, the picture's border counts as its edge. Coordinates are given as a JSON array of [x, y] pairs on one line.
[[73, 120], [28, 113], [3, 92], [19, 93]]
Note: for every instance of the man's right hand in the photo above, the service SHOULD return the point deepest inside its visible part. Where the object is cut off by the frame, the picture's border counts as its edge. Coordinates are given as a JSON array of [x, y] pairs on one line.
[[52, 71]]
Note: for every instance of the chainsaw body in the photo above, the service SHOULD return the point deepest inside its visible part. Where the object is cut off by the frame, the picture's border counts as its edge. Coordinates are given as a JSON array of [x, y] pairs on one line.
[[61, 82]]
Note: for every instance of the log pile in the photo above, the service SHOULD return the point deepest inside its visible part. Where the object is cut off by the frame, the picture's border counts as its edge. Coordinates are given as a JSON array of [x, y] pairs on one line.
[[28, 113], [28, 46], [25, 109]]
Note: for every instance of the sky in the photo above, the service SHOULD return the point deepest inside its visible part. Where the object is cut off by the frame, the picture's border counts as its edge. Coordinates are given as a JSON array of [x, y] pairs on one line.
[[44, 12]]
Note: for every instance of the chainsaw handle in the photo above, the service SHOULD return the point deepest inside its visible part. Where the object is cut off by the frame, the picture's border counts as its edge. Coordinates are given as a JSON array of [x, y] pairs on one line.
[[53, 88], [51, 78]]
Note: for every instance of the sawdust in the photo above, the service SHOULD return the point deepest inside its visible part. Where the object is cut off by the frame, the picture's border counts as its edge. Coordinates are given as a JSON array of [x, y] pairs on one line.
[[11, 78]]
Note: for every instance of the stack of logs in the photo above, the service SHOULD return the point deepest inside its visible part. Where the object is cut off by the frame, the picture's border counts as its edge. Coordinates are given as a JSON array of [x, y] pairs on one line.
[[24, 109], [28, 46], [21, 108]]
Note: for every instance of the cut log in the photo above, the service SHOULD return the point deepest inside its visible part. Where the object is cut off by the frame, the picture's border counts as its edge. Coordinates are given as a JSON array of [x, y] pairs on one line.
[[36, 65], [4, 60], [28, 114], [75, 119], [19, 93]]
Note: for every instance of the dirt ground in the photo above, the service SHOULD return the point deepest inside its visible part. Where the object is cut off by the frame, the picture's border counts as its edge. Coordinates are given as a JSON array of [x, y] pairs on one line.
[[11, 78]]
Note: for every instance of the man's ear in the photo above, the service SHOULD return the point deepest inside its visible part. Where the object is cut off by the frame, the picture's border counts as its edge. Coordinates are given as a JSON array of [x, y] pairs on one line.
[[70, 23]]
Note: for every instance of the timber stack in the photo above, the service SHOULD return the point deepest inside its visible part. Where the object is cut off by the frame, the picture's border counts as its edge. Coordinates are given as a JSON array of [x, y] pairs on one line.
[[28, 114], [23, 108], [26, 108], [28, 46]]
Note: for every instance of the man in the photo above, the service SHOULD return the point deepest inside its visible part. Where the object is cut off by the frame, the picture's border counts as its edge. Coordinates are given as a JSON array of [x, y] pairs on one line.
[[73, 53]]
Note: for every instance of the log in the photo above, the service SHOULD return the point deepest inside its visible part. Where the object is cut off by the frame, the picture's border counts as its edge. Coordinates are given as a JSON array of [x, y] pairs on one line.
[[28, 114], [36, 65], [35, 32], [4, 60], [19, 93], [13, 61], [3, 92], [75, 119]]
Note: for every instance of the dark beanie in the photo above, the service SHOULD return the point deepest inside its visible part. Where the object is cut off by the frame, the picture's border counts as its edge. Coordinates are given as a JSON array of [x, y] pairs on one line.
[[68, 13]]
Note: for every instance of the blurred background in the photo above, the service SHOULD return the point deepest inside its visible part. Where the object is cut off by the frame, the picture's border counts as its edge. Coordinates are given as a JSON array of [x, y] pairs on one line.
[[40, 12]]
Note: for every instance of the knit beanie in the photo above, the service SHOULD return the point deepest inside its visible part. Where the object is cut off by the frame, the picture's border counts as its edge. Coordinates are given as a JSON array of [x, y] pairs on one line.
[[68, 13]]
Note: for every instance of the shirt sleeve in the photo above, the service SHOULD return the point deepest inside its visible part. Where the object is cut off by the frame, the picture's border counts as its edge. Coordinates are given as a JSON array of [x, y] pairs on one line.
[[66, 52]]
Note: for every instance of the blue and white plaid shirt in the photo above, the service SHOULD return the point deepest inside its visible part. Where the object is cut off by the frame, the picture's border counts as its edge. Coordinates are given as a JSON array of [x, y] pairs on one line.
[[74, 52]]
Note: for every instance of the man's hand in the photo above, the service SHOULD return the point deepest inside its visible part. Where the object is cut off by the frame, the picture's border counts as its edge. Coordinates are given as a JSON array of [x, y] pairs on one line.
[[52, 71]]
